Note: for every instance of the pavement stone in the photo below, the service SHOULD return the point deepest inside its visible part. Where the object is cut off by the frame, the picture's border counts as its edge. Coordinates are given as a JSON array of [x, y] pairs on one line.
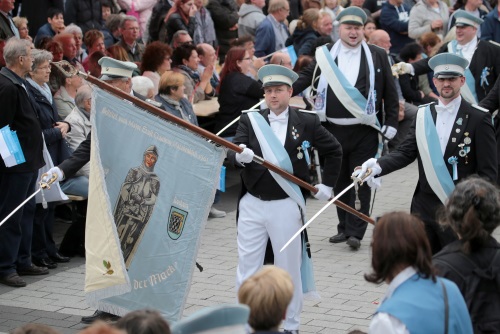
[[348, 301]]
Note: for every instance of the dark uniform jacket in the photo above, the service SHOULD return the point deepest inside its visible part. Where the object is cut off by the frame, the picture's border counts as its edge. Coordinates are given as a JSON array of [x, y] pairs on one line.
[[492, 103], [481, 159], [486, 56], [79, 158], [19, 111], [259, 181], [384, 87]]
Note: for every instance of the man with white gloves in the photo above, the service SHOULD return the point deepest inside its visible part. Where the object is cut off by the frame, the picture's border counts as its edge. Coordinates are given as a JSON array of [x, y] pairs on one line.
[[354, 79], [270, 208], [451, 141]]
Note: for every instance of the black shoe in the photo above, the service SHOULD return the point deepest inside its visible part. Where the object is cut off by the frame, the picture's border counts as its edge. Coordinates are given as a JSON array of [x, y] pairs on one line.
[[100, 315], [354, 243], [58, 258], [45, 262], [292, 331], [336, 239], [32, 271], [13, 280]]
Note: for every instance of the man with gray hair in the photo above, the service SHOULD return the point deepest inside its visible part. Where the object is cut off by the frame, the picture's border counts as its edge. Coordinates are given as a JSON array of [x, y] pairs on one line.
[[129, 29], [272, 33], [181, 37], [18, 182]]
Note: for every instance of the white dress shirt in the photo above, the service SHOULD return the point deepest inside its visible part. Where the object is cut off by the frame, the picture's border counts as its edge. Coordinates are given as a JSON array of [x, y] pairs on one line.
[[349, 60], [468, 49], [445, 119], [279, 124]]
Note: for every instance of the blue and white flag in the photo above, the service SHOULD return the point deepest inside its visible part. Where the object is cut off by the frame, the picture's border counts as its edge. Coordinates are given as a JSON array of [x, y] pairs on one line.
[[151, 187], [291, 52]]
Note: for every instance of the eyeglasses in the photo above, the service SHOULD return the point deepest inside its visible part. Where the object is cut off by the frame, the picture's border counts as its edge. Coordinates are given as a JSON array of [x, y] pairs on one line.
[[45, 68]]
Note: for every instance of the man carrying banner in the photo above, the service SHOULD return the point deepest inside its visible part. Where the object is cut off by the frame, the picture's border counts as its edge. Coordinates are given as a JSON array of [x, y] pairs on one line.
[[354, 79], [451, 141], [483, 57], [272, 207]]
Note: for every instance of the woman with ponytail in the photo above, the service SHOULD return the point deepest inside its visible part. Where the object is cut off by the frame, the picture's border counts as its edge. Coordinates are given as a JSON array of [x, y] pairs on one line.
[[305, 33], [473, 261]]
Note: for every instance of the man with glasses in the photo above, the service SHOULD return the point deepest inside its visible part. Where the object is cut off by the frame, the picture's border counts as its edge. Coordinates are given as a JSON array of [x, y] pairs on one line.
[[272, 33], [451, 140], [18, 182], [270, 207], [181, 37], [129, 30]]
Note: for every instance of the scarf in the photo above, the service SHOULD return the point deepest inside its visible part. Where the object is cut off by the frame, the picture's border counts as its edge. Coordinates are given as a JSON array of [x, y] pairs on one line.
[[192, 74], [43, 89]]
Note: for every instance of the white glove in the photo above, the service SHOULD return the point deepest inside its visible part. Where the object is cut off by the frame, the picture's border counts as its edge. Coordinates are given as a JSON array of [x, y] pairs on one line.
[[401, 68], [388, 132], [54, 170], [324, 192], [246, 156], [370, 163]]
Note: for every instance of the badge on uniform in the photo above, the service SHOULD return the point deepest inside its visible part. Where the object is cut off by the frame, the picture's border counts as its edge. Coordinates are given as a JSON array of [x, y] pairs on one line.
[[453, 161], [295, 133], [459, 121], [484, 77], [465, 147]]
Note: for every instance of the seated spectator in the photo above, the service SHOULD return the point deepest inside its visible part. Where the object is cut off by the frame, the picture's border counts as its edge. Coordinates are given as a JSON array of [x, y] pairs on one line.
[[93, 63], [43, 250], [111, 30], [144, 87], [55, 48], [333, 7], [156, 61], [305, 33], [171, 96], [181, 17], [267, 293], [207, 56], [78, 34], [55, 23], [490, 29], [79, 119], [21, 24], [251, 16], [144, 10], [237, 91], [401, 257], [205, 29], [473, 261], [143, 322], [247, 42], [117, 52], [70, 51], [267, 40], [410, 84], [129, 30], [370, 27], [181, 37], [281, 58], [94, 41], [105, 9], [325, 25], [185, 61], [64, 98]]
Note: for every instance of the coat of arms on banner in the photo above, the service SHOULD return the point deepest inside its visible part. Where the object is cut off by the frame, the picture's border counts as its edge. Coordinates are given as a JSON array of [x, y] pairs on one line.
[[176, 220]]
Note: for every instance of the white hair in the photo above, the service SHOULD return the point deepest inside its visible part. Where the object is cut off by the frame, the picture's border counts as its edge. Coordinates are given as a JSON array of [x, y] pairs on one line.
[[142, 85], [73, 29]]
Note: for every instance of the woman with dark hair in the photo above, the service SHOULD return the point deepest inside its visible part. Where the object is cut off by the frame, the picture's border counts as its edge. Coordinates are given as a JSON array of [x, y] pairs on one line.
[[143, 322], [181, 17], [185, 60], [237, 91], [156, 60], [473, 212], [305, 33], [416, 300]]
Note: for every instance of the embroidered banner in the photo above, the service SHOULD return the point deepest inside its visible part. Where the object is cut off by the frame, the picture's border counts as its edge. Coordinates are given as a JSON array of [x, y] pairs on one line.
[[152, 184]]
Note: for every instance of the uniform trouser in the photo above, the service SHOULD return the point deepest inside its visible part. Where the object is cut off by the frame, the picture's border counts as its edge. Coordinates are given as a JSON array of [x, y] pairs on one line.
[[359, 143], [16, 232], [43, 244], [277, 220]]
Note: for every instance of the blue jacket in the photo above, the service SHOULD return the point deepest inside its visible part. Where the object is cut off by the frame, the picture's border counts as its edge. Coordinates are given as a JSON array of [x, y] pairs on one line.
[[419, 304], [397, 30], [44, 31], [490, 29], [185, 105], [265, 41]]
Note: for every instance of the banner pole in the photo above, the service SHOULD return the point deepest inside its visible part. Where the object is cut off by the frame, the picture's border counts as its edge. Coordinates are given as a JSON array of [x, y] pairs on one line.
[[216, 139]]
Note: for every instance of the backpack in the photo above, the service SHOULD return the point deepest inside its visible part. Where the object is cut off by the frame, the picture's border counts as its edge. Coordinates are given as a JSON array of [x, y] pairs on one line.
[[482, 291], [156, 23]]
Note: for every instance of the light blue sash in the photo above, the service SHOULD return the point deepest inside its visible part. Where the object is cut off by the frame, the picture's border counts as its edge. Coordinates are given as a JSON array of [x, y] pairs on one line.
[[469, 89], [435, 169]]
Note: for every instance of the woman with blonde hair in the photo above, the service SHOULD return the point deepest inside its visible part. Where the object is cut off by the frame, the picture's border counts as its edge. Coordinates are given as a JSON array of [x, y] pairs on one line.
[[21, 24], [305, 33]]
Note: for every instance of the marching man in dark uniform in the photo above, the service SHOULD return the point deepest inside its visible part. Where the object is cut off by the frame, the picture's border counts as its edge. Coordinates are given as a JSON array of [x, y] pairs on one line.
[[271, 207], [451, 141], [354, 79]]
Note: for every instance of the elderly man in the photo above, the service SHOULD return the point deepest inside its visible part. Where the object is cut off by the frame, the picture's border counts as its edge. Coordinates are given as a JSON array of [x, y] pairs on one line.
[[354, 79], [18, 182], [484, 58], [181, 37], [451, 141], [271, 207], [281, 58], [272, 32], [129, 29], [118, 74], [7, 27], [207, 56], [251, 16]]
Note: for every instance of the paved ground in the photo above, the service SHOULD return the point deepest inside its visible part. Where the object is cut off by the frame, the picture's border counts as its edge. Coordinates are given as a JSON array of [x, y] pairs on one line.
[[347, 303]]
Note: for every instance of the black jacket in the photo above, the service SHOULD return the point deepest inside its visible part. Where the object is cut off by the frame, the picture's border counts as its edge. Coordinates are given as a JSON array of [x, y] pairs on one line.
[[492, 103], [303, 41], [481, 160], [237, 92], [79, 158], [87, 14], [176, 23], [225, 16], [19, 111]]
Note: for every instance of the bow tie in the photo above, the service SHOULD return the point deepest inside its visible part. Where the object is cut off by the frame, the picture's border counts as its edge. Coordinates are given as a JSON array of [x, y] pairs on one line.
[[351, 52], [449, 108], [280, 118]]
